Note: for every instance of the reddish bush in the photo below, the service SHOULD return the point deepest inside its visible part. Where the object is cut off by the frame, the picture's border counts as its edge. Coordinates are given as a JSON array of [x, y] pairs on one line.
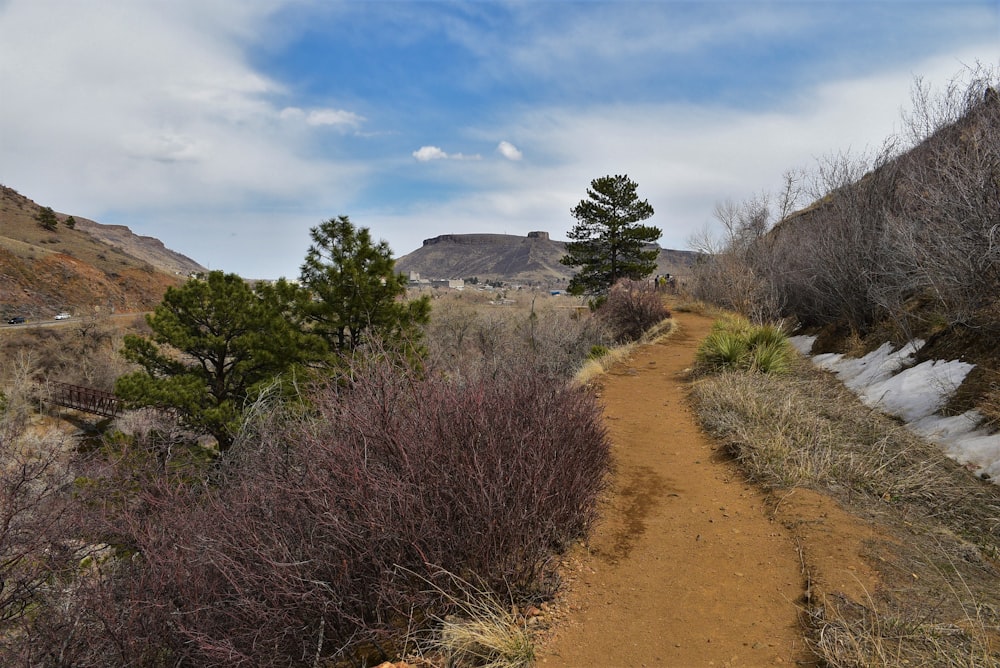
[[631, 308], [314, 538]]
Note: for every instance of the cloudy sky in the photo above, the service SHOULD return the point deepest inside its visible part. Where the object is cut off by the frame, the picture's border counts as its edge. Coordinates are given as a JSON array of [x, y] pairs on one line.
[[228, 128]]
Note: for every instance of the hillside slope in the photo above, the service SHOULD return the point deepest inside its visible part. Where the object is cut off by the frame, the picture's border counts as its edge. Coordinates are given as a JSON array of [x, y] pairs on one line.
[[89, 268], [531, 260]]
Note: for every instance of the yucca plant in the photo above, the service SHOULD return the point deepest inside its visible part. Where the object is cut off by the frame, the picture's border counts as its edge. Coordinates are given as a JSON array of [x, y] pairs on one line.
[[764, 335], [770, 356], [722, 350], [735, 344]]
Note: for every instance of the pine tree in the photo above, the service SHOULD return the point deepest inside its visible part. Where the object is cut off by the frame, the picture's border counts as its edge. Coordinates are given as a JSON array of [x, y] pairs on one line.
[[216, 342], [355, 291], [608, 243], [47, 218]]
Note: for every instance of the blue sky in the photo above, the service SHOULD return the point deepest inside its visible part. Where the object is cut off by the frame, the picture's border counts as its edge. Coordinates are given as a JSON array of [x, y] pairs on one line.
[[228, 128]]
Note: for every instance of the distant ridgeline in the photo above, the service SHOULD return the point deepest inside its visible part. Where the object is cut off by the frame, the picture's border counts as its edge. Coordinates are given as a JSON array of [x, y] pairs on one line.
[[532, 260], [472, 239]]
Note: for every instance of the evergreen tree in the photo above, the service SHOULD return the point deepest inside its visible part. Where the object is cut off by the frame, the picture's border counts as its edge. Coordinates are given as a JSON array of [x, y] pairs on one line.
[[70, 223], [355, 291], [47, 218], [608, 243], [216, 342]]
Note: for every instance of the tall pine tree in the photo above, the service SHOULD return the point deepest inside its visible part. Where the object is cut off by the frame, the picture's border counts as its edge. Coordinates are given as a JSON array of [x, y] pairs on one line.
[[354, 290], [215, 344], [608, 241]]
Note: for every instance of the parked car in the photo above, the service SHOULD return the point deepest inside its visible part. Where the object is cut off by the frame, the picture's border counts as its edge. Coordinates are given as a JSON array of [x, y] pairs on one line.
[[63, 316], [16, 320]]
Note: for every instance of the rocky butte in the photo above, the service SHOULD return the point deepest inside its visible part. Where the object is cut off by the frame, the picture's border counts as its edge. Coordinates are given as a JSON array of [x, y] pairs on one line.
[[531, 260]]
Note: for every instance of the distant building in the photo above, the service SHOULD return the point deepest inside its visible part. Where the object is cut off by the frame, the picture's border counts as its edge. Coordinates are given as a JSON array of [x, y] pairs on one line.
[[414, 281], [452, 283]]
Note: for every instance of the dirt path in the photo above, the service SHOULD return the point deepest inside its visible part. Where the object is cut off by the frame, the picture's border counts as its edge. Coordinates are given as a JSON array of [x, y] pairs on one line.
[[687, 565]]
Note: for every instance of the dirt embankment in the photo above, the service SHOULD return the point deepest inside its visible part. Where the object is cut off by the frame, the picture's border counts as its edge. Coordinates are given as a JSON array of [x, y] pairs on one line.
[[690, 565]]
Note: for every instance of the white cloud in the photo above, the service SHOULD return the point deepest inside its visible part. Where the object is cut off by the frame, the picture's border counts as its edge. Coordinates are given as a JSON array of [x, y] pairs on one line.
[[685, 158], [165, 147], [334, 117], [322, 117], [429, 153], [509, 151], [158, 117], [101, 120]]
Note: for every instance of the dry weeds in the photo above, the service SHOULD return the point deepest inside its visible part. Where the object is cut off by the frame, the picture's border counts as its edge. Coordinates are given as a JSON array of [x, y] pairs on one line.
[[485, 631], [940, 526]]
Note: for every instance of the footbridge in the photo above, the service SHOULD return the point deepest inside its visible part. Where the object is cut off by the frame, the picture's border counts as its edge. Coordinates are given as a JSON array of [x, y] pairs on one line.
[[86, 399]]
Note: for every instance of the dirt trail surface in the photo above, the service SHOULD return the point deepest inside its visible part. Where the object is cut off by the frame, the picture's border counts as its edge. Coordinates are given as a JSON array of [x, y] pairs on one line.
[[690, 565]]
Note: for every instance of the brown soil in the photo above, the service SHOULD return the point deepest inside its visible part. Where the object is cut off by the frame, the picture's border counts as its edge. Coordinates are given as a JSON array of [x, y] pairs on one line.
[[690, 565]]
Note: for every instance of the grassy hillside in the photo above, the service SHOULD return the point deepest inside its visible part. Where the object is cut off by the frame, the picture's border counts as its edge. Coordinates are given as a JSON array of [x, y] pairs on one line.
[[85, 269]]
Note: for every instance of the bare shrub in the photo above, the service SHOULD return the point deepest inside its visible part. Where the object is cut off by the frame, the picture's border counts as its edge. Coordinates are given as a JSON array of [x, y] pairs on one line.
[[916, 218], [35, 553], [733, 271], [468, 333], [632, 307], [304, 545], [832, 261], [561, 338], [951, 205]]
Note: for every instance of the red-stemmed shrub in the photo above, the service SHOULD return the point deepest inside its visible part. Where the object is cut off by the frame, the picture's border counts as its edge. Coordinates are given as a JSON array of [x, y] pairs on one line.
[[318, 536], [632, 307]]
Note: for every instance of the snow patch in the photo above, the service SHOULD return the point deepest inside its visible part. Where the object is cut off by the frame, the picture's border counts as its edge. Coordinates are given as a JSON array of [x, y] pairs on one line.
[[887, 380], [802, 343]]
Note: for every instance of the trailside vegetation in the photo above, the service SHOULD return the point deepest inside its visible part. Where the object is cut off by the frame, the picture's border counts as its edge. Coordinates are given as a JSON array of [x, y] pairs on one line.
[[361, 501], [903, 237], [735, 344], [314, 541], [354, 292], [608, 241], [215, 343], [895, 244], [937, 524], [631, 308]]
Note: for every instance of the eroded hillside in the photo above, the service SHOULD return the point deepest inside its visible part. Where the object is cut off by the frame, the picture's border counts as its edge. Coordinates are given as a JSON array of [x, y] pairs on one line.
[[78, 265]]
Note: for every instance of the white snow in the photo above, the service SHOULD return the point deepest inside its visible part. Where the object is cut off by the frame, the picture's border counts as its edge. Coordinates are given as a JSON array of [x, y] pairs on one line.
[[859, 373], [917, 392], [802, 343], [887, 380]]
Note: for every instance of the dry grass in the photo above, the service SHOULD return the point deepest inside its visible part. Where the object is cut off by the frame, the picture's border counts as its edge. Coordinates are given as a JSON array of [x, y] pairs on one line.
[[940, 526], [685, 304], [483, 631], [596, 367]]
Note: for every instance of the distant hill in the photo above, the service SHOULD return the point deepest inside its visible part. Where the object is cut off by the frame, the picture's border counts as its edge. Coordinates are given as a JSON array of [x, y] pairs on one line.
[[530, 260], [89, 268]]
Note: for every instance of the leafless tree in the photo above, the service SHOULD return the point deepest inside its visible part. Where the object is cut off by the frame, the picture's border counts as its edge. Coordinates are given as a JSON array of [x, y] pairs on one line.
[[35, 537], [734, 268]]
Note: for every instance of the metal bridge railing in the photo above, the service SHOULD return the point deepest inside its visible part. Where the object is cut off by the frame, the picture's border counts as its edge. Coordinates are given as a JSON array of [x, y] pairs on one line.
[[86, 399]]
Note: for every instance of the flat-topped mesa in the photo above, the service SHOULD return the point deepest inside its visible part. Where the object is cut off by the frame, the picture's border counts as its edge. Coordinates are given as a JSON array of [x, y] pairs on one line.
[[481, 239]]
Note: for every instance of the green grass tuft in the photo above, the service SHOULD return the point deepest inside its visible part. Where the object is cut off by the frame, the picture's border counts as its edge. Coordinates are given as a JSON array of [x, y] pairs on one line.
[[736, 345]]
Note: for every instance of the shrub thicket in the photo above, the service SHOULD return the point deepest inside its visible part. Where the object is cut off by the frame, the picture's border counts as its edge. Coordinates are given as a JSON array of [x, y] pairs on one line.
[[911, 223], [466, 333], [631, 308], [317, 534]]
